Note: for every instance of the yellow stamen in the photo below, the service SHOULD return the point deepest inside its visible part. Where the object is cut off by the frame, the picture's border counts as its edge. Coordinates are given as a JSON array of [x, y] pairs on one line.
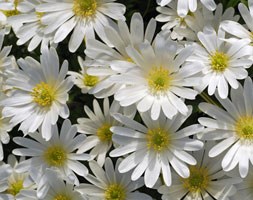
[[244, 128], [90, 81], [85, 8], [198, 180], [61, 197], [9, 13], [55, 156], [158, 139], [43, 94], [115, 192], [159, 80], [104, 133], [15, 187], [219, 61]]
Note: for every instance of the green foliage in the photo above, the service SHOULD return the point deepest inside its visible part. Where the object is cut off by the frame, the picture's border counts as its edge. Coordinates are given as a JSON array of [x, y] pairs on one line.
[[232, 3]]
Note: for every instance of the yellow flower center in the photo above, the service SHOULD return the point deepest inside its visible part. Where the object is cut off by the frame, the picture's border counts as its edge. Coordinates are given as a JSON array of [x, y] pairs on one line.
[[197, 181], [90, 81], [40, 14], [128, 59], [115, 192], [9, 13], [15, 187], [55, 156], [219, 61], [158, 139], [244, 128], [61, 197], [43, 94], [159, 80], [85, 8], [104, 133], [182, 21]]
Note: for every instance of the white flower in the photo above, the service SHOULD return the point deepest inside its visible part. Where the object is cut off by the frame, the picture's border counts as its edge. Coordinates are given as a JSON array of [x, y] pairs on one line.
[[223, 61], [58, 189], [5, 127], [15, 185], [207, 180], [59, 153], [83, 17], [109, 184], [159, 80], [155, 146], [169, 15], [11, 8], [245, 188], [188, 26], [107, 61], [98, 125], [32, 30], [238, 29], [234, 126], [83, 80], [40, 95], [184, 6], [6, 62]]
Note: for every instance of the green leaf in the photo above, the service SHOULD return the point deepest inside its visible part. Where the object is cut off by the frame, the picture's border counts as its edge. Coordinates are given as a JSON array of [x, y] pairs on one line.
[[245, 2], [232, 3]]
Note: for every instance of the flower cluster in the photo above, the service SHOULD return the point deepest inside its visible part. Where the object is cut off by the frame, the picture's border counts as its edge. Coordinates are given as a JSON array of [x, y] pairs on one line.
[[167, 107]]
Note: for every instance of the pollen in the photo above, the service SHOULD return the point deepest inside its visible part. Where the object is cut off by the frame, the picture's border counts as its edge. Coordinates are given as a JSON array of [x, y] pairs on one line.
[[115, 192], [61, 197], [244, 128], [159, 80], [39, 14], [15, 187], [43, 94], [90, 81], [85, 8], [128, 59], [9, 13], [104, 134], [219, 61], [55, 156], [197, 181], [158, 139]]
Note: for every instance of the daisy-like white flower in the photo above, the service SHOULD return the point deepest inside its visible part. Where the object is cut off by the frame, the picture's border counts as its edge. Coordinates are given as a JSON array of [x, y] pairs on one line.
[[15, 185], [109, 184], [159, 80], [169, 15], [32, 30], [5, 127], [107, 61], [6, 62], [59, 153], [188, 26], [82, 16], [245, 188], [11, 8], [207, 180], [155, 146], [222, 61], [58, 189], [234, 126], [40, 95], [238, 29], [82, 79], [98, 125], [184, 6]]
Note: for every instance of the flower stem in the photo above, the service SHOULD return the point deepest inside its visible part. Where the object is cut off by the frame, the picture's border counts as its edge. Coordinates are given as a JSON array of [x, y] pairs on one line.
[[208, 99]]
